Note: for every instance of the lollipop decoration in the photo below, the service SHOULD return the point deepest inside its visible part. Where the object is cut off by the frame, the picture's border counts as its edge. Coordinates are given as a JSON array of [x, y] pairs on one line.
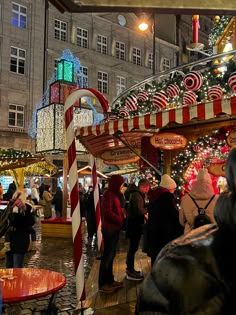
[[232, 81], [193, 81], [131, 103], [142, 96], [215, 92], [124, 111], [160, 100], [172, 90], [189, 98]]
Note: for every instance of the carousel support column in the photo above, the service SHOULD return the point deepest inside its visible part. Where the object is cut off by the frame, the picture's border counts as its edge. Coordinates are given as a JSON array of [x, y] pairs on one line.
[[168, 161], [65, 181]]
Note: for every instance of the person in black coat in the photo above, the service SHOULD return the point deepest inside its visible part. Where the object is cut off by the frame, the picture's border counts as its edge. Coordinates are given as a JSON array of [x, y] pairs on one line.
[[163, 217], [21, 222], [90, 215], [195, 274], [58, 202]]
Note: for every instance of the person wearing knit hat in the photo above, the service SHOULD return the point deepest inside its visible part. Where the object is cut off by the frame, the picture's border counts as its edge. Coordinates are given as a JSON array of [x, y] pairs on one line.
[[163, 217], [167, 182], [204, 175], [201, 191]]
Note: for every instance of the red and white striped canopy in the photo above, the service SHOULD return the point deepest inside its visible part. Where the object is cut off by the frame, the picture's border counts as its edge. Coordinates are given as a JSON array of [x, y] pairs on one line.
[[99, 138]]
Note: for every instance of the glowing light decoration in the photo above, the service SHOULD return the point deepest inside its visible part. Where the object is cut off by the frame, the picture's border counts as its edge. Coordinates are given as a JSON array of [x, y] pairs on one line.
[[57, 94], [50, 127], [79, 80], [65, 71]]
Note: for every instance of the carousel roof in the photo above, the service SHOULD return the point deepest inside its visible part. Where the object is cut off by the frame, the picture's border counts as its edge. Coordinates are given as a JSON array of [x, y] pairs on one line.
[[100, 138]]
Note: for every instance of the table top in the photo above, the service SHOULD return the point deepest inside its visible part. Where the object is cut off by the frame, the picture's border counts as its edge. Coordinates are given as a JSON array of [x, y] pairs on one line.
[[21, 284]]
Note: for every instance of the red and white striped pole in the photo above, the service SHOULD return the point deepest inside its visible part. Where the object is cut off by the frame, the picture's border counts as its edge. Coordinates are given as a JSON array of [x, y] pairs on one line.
[[97, 207], [73, 182]]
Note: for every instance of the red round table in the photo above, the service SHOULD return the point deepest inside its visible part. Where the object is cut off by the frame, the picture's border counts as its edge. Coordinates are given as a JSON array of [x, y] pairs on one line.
[[21, 284]]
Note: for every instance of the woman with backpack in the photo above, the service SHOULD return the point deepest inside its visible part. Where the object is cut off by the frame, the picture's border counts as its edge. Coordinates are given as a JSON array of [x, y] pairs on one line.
[[200, 198]]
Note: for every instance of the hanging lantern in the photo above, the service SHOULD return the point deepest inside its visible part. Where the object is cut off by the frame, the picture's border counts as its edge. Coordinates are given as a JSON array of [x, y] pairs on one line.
[[65, 71], [215, 93], [189, 98], [193, 81], [160, 100], [172, 90]]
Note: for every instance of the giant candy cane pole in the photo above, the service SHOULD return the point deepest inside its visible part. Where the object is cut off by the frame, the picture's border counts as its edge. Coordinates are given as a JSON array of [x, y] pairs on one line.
[[97, 207], [73, 182]]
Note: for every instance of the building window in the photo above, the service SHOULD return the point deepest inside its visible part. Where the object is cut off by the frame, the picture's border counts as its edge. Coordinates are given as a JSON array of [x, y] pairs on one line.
[[150, 61], [102, 44], [103, 82], [16, 116], [120, 50], [165, 64], [120, 85], [19, 15], [17, 63], [60, 30], [84, 77], [137, 56], [55, 64], [82, 37]]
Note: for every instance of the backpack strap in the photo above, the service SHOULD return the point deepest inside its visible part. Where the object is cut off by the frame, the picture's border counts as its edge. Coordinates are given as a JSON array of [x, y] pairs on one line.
[[194, 202], [212, 197]]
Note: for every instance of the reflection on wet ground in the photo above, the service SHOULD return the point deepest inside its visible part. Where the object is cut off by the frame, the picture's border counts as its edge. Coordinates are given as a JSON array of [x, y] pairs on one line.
[[56, 254]]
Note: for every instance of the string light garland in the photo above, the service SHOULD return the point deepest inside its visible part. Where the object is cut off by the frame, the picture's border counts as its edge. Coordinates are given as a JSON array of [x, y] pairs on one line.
[[201, 153]]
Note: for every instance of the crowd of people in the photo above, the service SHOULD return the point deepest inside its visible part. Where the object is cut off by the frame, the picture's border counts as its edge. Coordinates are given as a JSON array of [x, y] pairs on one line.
[[190, 247]]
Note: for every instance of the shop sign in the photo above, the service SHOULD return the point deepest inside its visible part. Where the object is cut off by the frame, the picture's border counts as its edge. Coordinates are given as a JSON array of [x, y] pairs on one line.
[[168, 141], [231, 139], [217, 169], [120, 156]]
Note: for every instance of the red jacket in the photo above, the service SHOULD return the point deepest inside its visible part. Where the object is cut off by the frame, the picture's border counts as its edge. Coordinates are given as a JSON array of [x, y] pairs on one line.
[[112, 216]]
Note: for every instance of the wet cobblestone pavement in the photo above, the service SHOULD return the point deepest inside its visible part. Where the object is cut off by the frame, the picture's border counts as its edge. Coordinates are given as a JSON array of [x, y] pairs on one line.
[[54, 254]]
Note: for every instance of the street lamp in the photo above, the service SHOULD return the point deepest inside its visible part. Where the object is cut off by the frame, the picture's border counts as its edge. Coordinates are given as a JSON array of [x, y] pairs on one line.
[[143, 26]]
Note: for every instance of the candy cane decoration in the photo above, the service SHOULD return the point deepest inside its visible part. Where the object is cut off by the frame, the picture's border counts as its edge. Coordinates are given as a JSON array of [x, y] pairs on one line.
[[97, 208], [73, 182]]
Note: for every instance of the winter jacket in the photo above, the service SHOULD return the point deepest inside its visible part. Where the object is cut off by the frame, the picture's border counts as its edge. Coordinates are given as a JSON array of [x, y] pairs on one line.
[[163, 220], [112, 215], [135, 212], [195, 274], [201, 191], [19, 232]]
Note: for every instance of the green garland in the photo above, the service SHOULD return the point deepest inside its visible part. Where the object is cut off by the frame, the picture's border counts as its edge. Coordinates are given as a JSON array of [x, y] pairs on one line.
[[12, 153], [218, 30]]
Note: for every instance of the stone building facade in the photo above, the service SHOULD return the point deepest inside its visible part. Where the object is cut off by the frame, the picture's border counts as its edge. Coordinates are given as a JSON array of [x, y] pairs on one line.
[[114, 55]]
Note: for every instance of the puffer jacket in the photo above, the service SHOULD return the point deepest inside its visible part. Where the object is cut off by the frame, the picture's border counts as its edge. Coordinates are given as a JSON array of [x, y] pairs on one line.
[[195, 274], [112, 215], [202, 191]]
